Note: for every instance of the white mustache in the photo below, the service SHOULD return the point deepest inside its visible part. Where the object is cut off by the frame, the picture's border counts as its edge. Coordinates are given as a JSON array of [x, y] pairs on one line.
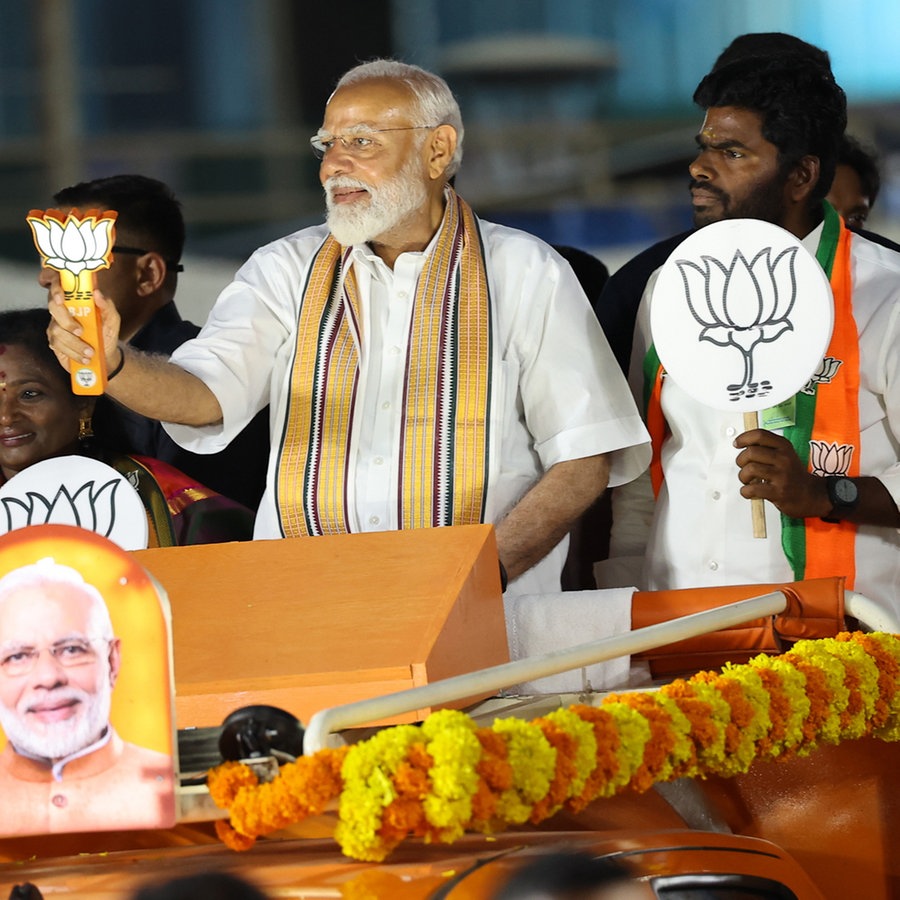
[[55, 699], [344, 181]]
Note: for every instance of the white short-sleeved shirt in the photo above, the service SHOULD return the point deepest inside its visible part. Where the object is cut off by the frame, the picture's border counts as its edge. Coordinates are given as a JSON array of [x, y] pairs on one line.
[[699, 533], [558, 390]]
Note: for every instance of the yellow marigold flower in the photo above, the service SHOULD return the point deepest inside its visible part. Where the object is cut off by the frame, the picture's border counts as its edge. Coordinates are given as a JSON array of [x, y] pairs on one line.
[[586, 749], [865, 670], [634, 733], [742, 689], [456, 752], [533, 761], [833, 670], [368, 790], [793, 685], [709, 715], [888, 648], [427, 780]]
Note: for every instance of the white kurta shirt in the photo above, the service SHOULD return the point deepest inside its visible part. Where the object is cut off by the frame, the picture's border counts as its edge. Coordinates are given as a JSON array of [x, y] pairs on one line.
[[699, 532], [557, 389]]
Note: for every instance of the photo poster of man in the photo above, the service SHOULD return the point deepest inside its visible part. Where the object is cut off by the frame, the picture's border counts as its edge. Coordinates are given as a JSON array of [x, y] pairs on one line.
[[86, 687]]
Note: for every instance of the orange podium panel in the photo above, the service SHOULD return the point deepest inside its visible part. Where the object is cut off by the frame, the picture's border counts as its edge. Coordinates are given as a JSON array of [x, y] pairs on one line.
[[308, 623]]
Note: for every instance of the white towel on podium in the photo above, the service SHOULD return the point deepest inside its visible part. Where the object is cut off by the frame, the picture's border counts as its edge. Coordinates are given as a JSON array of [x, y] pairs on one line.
[[542, 623]]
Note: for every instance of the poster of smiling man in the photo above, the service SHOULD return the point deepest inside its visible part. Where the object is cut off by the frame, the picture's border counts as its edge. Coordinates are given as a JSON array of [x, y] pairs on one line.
[[85, 687]]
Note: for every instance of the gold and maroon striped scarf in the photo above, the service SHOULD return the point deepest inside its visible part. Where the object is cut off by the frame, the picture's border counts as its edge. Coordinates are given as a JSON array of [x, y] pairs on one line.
[[444, 452]]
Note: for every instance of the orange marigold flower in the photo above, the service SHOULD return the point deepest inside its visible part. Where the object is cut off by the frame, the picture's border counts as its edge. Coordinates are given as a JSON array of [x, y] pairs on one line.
[[888, 673], [563, 774], [231, 838], [607, 737], [704, 730], [410, 781], [660, 745], [484, 803], [779, 709], [820, 698], [401, 817], [226, 780]]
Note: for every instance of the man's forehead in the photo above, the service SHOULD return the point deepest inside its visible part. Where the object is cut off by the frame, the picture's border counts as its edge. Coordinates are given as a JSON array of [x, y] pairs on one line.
[[43, 607], [731, 123], [374, 102]]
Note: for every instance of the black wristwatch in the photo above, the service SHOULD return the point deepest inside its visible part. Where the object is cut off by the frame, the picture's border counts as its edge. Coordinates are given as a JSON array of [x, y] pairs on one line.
[[844, 496]]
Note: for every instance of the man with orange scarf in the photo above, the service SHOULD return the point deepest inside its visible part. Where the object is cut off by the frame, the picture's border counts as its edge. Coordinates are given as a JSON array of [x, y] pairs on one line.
[[422, 367], [831, 478]]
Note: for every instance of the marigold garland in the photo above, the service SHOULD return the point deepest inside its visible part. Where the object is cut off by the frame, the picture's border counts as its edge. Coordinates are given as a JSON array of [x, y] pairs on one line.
[[447, 776]]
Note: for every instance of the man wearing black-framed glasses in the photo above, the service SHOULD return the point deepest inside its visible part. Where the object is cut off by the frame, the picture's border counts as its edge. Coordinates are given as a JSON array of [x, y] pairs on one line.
[[424, 367]]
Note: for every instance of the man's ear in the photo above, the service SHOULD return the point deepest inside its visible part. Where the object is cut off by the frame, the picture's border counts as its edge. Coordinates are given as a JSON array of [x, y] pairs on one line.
[[803, 178], [441, 147], [151, 273], [115, 660]]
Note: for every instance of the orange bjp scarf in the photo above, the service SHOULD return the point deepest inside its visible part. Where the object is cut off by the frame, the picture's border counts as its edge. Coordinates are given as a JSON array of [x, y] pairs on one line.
[[444, 458]]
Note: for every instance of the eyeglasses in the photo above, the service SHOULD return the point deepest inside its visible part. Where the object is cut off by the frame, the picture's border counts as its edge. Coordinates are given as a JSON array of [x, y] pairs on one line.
[[173, 265], [69, 654], [359, 143]]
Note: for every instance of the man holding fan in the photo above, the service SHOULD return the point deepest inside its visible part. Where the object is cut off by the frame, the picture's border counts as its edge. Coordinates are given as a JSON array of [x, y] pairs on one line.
[[826, 462]]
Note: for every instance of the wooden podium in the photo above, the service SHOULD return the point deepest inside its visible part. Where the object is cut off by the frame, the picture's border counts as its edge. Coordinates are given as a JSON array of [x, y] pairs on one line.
[[308, 623]]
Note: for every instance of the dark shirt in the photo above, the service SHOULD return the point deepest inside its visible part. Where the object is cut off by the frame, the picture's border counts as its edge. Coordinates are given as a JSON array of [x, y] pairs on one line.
[[618, 303], [237, 472]]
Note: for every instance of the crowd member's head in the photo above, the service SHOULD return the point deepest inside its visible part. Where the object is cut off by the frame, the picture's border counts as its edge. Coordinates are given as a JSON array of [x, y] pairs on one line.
[[148, 245], [40, 417], [59, 661], [768, 44], [769, 142], [202, 886], [857, 181], [570, 876], [390, 141]]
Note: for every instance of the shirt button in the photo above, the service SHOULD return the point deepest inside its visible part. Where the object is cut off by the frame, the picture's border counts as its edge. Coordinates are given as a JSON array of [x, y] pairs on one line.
[[386, 404], [731, 431], [713, 566], [716, 495], [402, 295], [379, 460], [374, 520], [59, 800], [395, 351]]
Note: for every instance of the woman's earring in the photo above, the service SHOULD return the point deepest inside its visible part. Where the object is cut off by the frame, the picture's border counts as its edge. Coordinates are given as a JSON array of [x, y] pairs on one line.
[[85, 431]]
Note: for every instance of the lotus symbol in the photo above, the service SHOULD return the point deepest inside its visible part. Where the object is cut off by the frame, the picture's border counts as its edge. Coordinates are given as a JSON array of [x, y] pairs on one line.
[[829, 459], [824, 374], [742, 304], [74, 243], [91, 506]]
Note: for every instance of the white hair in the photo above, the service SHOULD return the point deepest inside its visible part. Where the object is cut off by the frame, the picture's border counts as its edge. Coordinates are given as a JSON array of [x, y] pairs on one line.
[[49, 572], [435, 102]]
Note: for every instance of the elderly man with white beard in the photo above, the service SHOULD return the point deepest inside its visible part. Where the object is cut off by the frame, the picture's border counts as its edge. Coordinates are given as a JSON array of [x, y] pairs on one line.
[[424, 367], [64, 768]]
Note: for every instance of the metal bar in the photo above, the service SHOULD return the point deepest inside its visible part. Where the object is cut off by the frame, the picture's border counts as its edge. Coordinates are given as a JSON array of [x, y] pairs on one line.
[[872, 616], [362, 712]]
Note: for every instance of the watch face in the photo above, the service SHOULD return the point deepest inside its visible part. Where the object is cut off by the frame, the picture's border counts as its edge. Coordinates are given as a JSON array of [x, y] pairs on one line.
[[845, 491]]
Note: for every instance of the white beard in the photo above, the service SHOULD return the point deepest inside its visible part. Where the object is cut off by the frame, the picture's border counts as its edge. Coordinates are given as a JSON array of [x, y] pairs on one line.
[[387, 207], [57, 740]]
